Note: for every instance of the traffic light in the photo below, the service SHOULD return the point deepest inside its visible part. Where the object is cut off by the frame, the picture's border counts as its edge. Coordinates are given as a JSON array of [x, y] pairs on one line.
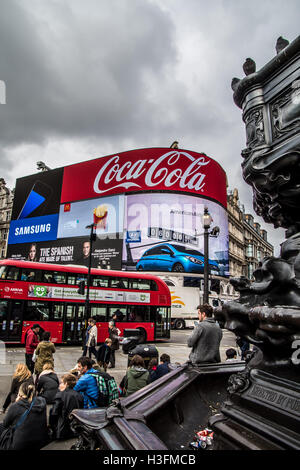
[[81, 285]]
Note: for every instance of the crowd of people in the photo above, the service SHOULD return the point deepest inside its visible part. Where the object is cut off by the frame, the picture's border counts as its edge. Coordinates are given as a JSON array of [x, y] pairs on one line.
[[38, 405]]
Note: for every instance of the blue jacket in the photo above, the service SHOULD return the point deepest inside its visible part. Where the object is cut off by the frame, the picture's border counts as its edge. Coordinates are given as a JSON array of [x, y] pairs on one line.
[[87, 386]]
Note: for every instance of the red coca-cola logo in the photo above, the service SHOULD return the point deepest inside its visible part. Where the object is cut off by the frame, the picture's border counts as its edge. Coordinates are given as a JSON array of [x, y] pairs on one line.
[[145, 170]]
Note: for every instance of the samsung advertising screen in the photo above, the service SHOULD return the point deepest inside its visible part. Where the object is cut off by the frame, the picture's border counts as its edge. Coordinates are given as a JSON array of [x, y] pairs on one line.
[[146, 206]]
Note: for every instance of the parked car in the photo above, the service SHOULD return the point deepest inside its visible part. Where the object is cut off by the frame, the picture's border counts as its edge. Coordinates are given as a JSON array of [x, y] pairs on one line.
[[177, 258]]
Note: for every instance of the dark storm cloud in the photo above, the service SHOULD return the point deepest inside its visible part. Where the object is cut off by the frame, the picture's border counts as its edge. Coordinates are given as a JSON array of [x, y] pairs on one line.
[[73, 71]]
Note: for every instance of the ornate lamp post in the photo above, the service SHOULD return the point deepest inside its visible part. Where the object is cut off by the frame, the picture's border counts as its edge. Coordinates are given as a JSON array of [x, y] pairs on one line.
[[206, 222]]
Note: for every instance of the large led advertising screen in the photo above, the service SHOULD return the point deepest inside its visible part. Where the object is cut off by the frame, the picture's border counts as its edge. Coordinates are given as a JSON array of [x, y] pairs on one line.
[[147, 207]]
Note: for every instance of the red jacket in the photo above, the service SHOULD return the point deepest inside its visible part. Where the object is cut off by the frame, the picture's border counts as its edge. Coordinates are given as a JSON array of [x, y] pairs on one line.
[[31, 341]]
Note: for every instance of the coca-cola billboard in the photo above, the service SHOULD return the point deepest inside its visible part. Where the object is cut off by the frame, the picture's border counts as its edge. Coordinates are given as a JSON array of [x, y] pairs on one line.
[[154, 169], [147, 207]]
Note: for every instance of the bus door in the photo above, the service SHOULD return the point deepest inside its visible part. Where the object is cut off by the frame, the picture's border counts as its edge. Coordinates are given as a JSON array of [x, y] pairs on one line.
[[73, 323], [162, 323], [11, 316]]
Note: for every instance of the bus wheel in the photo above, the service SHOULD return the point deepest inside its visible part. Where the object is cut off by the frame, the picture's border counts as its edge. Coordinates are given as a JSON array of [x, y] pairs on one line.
[[143, 337], [140, 268], [180, 325], [178, 268]]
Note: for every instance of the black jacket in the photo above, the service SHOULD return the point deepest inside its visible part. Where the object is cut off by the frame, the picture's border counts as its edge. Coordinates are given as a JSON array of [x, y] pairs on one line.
[[14, 389], [161, 369], [47, 386], [32, 433], [65, 402], [104, 353]]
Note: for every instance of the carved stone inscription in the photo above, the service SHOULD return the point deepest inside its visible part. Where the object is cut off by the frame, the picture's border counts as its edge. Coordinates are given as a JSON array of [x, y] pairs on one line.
[[278, 399]]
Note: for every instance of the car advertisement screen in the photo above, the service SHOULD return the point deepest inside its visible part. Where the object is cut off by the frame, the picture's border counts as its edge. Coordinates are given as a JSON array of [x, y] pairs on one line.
[[146, 206], [166, 234]]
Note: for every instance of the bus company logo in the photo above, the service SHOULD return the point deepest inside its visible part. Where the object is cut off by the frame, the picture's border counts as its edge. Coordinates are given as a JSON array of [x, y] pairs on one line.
[[13, 290], [170, 169], [176, 300]]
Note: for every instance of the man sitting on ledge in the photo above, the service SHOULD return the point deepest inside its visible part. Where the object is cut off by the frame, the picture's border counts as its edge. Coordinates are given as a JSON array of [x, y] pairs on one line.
[[206, 338]]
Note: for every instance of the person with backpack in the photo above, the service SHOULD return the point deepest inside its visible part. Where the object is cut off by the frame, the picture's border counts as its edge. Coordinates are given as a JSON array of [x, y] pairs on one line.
[[87, 384], [99, 389], [25, 423]]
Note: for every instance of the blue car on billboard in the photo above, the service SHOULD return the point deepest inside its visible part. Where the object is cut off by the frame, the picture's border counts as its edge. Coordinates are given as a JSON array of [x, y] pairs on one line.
[[176, 258]]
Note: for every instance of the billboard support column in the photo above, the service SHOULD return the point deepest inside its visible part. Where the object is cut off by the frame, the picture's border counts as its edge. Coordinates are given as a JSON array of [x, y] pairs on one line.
[[87, 297]]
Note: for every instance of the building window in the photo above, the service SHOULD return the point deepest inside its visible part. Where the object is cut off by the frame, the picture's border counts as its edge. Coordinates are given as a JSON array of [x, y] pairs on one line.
[[250, 270], [249, 249]]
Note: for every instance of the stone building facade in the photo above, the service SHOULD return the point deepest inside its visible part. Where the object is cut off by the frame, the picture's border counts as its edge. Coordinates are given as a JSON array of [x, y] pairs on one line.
[[6, 203], [248, 243]]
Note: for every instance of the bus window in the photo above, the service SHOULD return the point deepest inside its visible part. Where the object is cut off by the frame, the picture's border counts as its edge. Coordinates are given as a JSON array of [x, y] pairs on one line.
[[58, 311], [142, 284], [59, 277], [3, 315], [119, 283], [100, 281], [30, 275], [39, 311], [47, 276], [3, 271], [98, 312], [81, 277], [119, 311], [71, 279], [139, 313], [13, 273]]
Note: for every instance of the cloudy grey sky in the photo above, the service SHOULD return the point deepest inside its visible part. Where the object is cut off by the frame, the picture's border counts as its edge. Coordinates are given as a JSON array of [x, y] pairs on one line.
[[86, 79]]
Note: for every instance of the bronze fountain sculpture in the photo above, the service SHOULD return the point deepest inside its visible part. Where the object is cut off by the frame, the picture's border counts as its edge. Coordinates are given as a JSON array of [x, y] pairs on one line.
[[267, 393]]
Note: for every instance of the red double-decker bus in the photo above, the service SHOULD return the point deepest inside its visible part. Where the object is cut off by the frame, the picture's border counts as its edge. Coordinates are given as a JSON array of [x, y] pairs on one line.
[[48, 294]]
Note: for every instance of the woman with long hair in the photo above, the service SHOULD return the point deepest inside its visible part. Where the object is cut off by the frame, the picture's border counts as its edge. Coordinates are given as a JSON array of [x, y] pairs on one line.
[[28, 418], [22, 374]]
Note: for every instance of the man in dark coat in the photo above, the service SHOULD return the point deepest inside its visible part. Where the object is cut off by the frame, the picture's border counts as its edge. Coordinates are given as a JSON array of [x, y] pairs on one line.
[[31, 343], [206, 337], [113, 335], [66, 400]]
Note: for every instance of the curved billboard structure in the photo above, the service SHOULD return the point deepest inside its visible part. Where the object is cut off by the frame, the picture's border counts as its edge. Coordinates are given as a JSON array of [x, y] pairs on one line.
[[147, 205]]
